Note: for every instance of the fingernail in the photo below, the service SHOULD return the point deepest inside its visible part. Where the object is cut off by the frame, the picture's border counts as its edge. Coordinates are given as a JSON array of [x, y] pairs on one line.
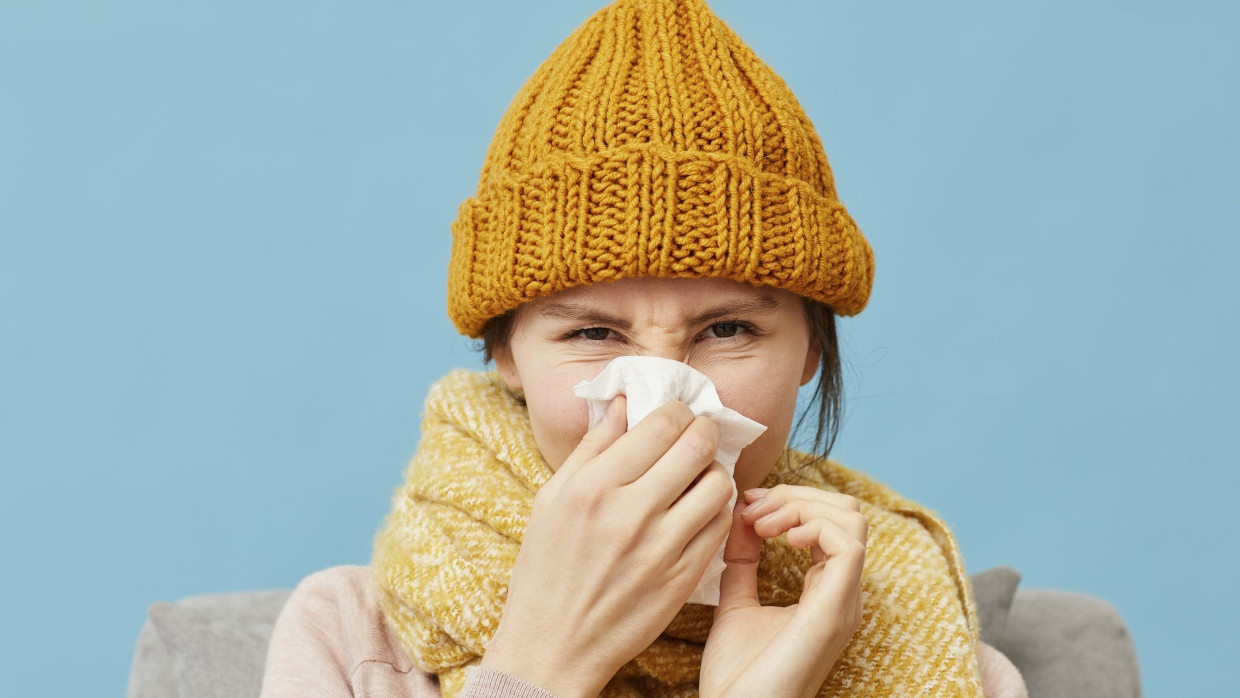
[[609, 414], [755, 493], [615, 407]]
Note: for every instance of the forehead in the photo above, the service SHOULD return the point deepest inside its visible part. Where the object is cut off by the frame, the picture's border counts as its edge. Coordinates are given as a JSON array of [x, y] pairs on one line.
[[661, 297]]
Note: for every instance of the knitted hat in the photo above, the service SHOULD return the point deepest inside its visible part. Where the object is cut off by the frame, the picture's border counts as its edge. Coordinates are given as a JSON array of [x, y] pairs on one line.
[[653, 142]]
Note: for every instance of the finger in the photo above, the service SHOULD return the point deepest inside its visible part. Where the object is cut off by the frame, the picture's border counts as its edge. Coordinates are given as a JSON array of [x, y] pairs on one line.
[[706, 496], [705, 542], [598, 439], [798, 512], [738, 587], [833, 584], [684, 464], [825, 538], [633, 454], [775, 497], [752, 495], [602, 435]]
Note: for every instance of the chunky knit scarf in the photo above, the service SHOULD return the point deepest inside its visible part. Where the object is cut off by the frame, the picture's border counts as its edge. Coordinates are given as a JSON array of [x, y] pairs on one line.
[[444, 555]]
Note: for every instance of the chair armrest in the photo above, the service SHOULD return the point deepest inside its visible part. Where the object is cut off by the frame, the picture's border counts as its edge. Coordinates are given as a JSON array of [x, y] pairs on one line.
[[1070, 645], [205, 646]]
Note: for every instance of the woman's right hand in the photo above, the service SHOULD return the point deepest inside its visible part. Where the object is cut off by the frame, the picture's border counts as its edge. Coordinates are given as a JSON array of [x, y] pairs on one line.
[[616, 542]]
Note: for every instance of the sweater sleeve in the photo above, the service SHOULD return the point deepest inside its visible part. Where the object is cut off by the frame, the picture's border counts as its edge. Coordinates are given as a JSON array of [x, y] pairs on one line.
[[488, 683], [331, 641], [1000, 677]]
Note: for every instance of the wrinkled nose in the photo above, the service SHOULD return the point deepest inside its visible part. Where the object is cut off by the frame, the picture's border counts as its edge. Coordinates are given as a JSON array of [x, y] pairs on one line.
[[672, 351]]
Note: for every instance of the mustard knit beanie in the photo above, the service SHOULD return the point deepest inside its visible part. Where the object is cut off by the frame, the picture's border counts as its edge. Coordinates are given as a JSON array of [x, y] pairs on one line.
[[653, 142]]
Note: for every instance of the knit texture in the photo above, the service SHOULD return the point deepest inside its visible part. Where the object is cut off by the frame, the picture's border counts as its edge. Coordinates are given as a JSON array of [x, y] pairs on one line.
[[444, 555], [653, 142]]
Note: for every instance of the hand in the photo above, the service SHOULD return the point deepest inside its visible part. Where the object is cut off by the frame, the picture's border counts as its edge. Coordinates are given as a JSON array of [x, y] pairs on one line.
[[786, 651], [616, 541]]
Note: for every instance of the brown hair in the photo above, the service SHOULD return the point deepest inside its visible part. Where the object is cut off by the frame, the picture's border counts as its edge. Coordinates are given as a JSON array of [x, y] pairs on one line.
[[826, 401]]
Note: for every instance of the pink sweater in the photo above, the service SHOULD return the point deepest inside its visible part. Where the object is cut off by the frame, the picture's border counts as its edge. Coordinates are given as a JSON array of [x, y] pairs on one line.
[[331, 640]]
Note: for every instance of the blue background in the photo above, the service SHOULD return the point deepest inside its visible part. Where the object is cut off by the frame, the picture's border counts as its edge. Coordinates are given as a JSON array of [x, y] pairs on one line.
[[224, 233]]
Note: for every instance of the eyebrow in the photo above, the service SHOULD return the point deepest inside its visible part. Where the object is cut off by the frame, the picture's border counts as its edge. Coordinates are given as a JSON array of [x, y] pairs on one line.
[[583, 313], [746, 306]]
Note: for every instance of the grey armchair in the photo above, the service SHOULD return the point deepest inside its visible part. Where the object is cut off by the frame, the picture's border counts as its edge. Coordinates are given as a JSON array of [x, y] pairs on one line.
[[1066, 645]]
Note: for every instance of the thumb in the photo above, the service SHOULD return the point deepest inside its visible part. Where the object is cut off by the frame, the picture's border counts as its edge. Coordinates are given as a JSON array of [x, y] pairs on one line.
[[738, 586], [599, 437]]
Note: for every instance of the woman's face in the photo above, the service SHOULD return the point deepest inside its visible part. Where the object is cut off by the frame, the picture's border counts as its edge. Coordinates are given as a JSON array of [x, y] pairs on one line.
[[753, 343]]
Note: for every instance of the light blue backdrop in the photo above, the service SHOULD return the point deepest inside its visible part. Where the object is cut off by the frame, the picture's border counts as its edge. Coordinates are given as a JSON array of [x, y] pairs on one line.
[[224, 230]]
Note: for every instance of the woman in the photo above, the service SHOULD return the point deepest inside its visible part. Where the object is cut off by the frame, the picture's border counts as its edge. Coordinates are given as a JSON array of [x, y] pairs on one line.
[[654, 190]]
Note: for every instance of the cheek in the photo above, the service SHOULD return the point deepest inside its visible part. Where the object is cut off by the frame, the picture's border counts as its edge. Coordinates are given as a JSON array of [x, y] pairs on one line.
[[559, 419], [773, 405], [759, 457], [764, 392]]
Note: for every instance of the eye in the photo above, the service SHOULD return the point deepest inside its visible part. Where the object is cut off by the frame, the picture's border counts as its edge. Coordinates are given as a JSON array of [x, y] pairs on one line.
[[594, 334], [723, 330]]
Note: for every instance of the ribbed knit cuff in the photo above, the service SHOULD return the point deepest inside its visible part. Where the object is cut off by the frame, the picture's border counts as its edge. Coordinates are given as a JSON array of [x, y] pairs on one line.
[[488, 683], [650, 211]]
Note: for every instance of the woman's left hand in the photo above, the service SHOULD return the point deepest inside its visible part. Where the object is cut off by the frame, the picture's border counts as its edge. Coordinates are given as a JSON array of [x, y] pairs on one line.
[[786, 651]]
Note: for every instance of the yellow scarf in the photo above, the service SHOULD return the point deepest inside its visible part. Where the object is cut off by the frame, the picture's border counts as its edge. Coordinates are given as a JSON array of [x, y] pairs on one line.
[[446, 550]]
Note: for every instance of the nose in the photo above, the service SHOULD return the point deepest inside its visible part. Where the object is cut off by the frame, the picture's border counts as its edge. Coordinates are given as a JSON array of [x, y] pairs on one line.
[[668, 350]]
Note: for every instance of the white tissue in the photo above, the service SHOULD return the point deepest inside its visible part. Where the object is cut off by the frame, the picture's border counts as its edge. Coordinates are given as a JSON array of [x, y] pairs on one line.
[[648, 382]]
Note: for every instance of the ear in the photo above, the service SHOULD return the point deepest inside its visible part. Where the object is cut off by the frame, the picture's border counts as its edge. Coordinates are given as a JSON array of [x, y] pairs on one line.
[[813, 356], [507, 368]]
